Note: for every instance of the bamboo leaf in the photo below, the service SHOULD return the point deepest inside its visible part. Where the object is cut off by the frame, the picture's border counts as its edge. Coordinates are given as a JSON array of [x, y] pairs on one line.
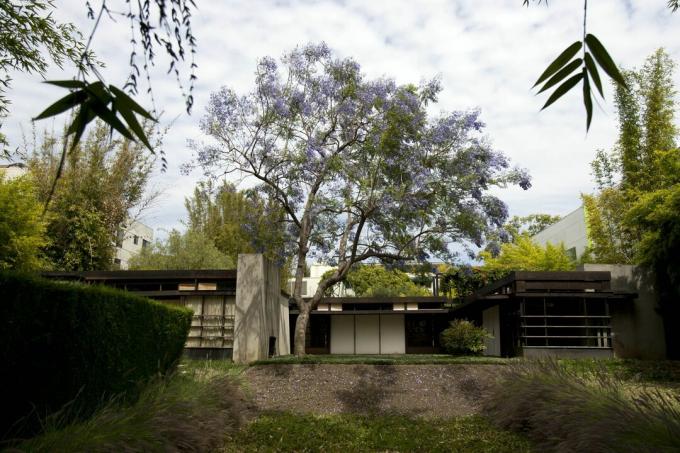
[[561, 74], [125, 100], [587, 100], [592, 70], [69, 101], [560, 61], [562, 89], [604, 60], [110, 118], [72, 84], [133, 124]]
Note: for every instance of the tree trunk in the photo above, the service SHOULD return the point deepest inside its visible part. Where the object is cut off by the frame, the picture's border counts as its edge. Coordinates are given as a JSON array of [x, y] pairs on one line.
[[301, 326]]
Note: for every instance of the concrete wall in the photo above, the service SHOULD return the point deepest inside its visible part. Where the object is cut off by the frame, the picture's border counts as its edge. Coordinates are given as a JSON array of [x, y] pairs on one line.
[[367, 334], [491, 321], [259, 313], [392, 334], [571, 230], [342, 334], [138, 232], [637, 327]]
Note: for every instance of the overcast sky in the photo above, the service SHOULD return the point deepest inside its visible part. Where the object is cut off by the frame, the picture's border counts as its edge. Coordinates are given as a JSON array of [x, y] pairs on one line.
[[487, 53]]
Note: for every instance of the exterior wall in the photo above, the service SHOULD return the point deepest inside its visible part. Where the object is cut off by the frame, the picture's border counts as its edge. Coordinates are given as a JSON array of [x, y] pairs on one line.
[[392, 334], [126, 247], [638, 328], [367, 334], [492, 323], [342, 334], [571, 230], [258, 310], [11, 171]]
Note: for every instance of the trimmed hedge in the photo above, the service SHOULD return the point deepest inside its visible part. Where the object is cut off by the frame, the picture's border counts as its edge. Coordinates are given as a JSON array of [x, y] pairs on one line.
[[67, 342]]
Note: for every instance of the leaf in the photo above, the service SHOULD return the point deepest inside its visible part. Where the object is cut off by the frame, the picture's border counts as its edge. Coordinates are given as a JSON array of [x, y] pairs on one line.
[[73, 84], [133, 124], [110, 118], [562, 89], [125, 100], [587, 101], [69, 101], [604, 60], [98, 91], [564, 72], [77, 127], [592, 70], [560, 61]]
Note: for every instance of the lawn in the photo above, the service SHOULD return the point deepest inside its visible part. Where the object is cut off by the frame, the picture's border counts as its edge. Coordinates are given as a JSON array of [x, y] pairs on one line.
[[282, 432], [397, 359]]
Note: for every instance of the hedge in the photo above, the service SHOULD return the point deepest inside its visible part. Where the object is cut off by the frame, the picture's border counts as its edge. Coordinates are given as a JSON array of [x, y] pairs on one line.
[[71, 343]]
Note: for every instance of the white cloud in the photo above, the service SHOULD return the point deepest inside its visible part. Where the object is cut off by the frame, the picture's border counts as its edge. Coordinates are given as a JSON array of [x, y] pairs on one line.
[[488, 55]]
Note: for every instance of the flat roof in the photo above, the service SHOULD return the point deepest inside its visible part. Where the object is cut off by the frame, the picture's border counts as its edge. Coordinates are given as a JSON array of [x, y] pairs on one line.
[[212, 274]]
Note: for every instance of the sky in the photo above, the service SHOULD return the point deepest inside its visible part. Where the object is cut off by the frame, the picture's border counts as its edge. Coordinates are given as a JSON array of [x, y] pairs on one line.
[[486, 53]]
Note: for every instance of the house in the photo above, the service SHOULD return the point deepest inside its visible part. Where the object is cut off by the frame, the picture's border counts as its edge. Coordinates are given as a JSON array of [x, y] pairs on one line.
[[132, 239], [239, 314], [571, 230], [600, 311]]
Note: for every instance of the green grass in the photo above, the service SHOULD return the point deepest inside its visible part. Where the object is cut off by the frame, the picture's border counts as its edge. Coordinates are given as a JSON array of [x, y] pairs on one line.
[[401, 359], [274, 432]]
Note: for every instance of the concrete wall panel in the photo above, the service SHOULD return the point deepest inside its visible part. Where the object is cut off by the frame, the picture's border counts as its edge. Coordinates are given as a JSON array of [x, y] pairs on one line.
[[392, 338], [367, 334], [342, 334]]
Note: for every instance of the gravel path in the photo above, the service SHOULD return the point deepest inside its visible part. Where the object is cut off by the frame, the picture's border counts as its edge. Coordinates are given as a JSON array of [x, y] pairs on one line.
[[415, 390]]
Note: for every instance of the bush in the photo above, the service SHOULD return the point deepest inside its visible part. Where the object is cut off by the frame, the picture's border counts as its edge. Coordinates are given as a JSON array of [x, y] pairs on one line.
[[464, 338], [564, 409], [64, 342]]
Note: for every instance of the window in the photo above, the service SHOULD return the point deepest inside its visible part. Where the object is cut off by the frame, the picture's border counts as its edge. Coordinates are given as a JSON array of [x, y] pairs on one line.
[[145, 243], [135, 239]]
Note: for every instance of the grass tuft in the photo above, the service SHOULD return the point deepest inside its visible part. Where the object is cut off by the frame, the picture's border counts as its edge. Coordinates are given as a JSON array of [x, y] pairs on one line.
[[570, 408], [190, 412]]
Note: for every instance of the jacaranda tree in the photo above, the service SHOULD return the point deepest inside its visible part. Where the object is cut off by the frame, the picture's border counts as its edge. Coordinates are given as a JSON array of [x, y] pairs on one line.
[[360, 168]]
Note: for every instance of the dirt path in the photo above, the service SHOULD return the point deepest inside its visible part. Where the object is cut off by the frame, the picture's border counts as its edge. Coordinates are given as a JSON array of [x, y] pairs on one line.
[[415, 390]]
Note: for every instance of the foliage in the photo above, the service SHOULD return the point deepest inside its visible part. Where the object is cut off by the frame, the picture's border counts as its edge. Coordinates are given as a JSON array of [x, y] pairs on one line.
[[189, 250], [28, 35], [63, 341], [531, 224], [526, 255], [463, 338], [594, 54], [102, 187], [375, 280], [356, 164], [179, 413], [609, 239], [22, 229], [237, 221], [283, 432], [461, 281], [564, 410]]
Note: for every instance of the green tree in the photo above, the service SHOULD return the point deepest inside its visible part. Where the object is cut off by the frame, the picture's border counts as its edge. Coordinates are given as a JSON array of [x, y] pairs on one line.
[[189, 250], [102, 187], [22, 229], [375, 280], [237, 221], [531, 224], [610, 240], [526, 255]]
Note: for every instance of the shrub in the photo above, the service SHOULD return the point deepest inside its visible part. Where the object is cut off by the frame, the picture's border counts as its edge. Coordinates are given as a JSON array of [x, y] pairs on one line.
[[60, 341], [464, 338], [564, 409]]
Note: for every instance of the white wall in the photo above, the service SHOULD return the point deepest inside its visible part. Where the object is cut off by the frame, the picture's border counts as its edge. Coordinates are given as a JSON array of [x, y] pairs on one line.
[[128, 248], [367, 334], [342, 334], [571, 230], [392, 334]]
